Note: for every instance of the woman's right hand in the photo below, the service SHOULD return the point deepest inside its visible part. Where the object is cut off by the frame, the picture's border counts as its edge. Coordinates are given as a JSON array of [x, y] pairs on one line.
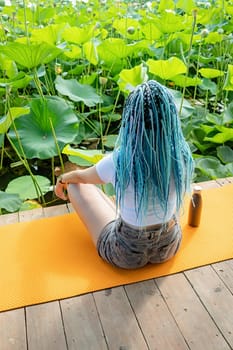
[[61, 189]]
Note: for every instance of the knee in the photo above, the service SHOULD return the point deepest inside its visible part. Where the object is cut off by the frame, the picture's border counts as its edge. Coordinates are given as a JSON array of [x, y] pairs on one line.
[[73, 190], [79, 191], [72, 187]]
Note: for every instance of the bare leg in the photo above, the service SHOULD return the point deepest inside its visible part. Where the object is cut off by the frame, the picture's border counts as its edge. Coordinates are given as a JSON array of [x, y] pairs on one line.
[[93, 207]]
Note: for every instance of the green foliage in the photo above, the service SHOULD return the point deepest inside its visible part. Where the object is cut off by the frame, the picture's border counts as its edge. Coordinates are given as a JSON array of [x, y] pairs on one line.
[[167, 69], [49, 126], [66, 69], [30, 55], [25, 188], [13, 113], [10, 202], [77, 92]]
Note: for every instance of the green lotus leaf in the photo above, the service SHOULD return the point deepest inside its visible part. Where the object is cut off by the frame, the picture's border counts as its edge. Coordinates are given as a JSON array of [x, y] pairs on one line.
[[210, 85], [79, 35], [228, 85], [225, 154], [30, 56], [50, 34], [29, 205], [169, 22], [92, 155], [130, 78], [225, 134], [182, 80], [8, 66], [73, 51], [228, 114], [90, 52], [9, 201], [213, 38], [212, 167], [25, 188], [1, 139], [167, 69], [186, 5], [150, 31], [115, 47], [166, 4], [128, 27], [35, 130], [77, 92], [187, 108], [211, 73], [13, 113], [19, 81]]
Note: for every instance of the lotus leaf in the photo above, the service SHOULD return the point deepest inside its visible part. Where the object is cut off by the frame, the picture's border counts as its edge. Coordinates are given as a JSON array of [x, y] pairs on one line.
[[150, 31], [79, 35], [115, 47], [211, 73], [229, 78], [225, 134], [169, 22], [8, 66], [167, 69], [182, 80], [225, 154], [212, 167], [90, 52], [50, 34], [30, 56], [13, 113], [19, 81], [36, 129], [77, 92], [228, 114], [9, 201], [130, 78], [25, 188], [92, 156], [128, 27]]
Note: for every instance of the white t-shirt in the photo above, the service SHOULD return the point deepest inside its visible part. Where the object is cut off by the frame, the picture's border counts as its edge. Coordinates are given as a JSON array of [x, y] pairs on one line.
[[106, 171]]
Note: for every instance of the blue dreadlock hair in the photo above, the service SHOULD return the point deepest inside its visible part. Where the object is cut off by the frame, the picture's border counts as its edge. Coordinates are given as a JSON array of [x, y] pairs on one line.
[[151, 149]]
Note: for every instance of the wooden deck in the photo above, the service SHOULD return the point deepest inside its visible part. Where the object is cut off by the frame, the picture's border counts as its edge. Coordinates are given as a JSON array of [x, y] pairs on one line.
[[190, 310]]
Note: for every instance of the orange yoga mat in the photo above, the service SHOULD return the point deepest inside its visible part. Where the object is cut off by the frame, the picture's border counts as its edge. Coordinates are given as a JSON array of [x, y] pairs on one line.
[[54, 258]]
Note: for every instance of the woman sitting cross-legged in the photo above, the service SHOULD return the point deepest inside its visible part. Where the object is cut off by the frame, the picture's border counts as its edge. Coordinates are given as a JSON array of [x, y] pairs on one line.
[[151, 170]]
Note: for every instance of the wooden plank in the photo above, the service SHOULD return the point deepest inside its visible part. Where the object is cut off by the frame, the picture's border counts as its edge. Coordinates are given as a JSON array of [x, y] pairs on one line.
[[155, 319], [29, 215], [44, 327], [230, 179], [82, 325], [225, 271], [118, 320], [224, 181], [216, 297], [192, 318], [9, 219], [12, 330], [56, 210], [208, 184]]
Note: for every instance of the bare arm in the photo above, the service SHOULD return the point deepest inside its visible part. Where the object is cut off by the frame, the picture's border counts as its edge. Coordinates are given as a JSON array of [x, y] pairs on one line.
[[88, 175]]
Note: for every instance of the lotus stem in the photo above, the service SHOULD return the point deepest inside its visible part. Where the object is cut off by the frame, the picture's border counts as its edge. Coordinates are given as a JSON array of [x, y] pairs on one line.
[[57, 146], [188, 60], [25, 163], [24, 158]]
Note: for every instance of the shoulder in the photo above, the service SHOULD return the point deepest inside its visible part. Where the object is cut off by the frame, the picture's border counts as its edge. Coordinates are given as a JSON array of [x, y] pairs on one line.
[[106, 169]]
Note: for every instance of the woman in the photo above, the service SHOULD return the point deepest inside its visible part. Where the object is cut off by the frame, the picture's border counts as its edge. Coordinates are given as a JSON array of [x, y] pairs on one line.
[[151, 169]]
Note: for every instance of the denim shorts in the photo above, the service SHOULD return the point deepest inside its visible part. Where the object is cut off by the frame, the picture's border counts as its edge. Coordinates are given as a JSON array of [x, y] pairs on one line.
[[129, 247]]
